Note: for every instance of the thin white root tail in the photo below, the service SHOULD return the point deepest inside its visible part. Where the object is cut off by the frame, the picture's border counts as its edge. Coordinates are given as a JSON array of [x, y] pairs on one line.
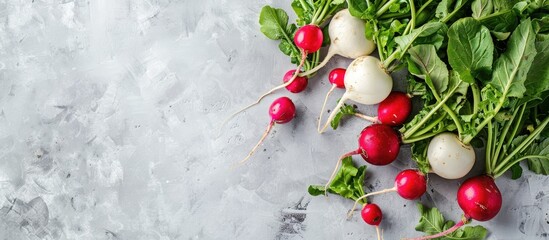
[[367, 118], [324, 106], [269, 127], [337, 167], [334, 112], [350, 213], [297, 71], [329, 55]]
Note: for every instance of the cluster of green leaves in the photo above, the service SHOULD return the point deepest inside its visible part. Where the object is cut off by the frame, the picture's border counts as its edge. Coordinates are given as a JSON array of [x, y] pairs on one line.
[[432, 222], [275, 25], [479, 75], [348, 182]]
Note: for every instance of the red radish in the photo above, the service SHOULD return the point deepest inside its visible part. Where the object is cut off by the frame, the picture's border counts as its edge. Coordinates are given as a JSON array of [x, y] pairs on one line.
[[479, 198], [282, 110], [409, 184], [309, 38], [298, 85], [378, 145], [371, 214], [392, 111], [336, 78]]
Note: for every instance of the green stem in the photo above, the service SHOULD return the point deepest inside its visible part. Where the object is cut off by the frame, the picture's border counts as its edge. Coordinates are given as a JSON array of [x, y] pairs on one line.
[[413, 18], [495, 134], [508, 166], [430, 126], [317, 12], [476, 98], [488, 157], [385, 7], [424, 6], [423, 137], [524, 144], [503, 135], [323, 13], [390, 59], [412, 130], [378, 43], [455, 118], [304, 5], [451, 15], [469, 138]]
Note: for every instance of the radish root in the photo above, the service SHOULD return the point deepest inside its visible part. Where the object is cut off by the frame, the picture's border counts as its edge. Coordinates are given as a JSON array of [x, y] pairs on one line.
[[337, 167], [334, 112], [269, 127], [324, 106], [350, 214], [329, 55], [303, 58], [379, 236], [367, 118]]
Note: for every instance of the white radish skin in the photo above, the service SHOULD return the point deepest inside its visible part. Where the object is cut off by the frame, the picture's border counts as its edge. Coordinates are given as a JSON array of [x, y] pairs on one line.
[[366, 82], [346, 39], [448, 157]]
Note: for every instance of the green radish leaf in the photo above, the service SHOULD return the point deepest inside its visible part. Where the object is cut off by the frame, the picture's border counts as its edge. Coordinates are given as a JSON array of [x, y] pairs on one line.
[[360, 9], [537, 79], [345, 110], [432, 222], [273, 22], [482, 8], [500, 21], [426, 64], [406, 41], [512, 66], [539, 165], [470, 49], [419, 154], [516, 171], [347, 183]]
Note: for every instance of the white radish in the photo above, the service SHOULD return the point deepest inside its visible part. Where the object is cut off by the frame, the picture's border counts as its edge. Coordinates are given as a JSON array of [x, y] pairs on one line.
[[347, 39], [449, 157], [366, 82]]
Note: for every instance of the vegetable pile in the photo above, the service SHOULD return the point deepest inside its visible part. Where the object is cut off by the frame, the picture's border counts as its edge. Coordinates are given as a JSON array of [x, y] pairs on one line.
[[479, 69]]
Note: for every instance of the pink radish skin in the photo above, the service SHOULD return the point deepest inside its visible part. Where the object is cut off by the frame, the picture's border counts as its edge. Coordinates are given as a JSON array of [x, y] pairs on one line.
[[298, 85], [392, 111], [282, 110], [337, 79], [378, 145], [479, 198], [371, 214], [409, 184], [395, 109], [309, 38]]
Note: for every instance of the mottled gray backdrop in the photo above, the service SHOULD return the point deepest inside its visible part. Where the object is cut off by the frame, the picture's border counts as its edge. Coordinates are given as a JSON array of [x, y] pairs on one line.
[[109, 111]]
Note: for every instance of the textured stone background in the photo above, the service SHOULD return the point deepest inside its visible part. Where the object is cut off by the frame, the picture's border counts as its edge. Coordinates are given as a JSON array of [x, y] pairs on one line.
[[109, 111]]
